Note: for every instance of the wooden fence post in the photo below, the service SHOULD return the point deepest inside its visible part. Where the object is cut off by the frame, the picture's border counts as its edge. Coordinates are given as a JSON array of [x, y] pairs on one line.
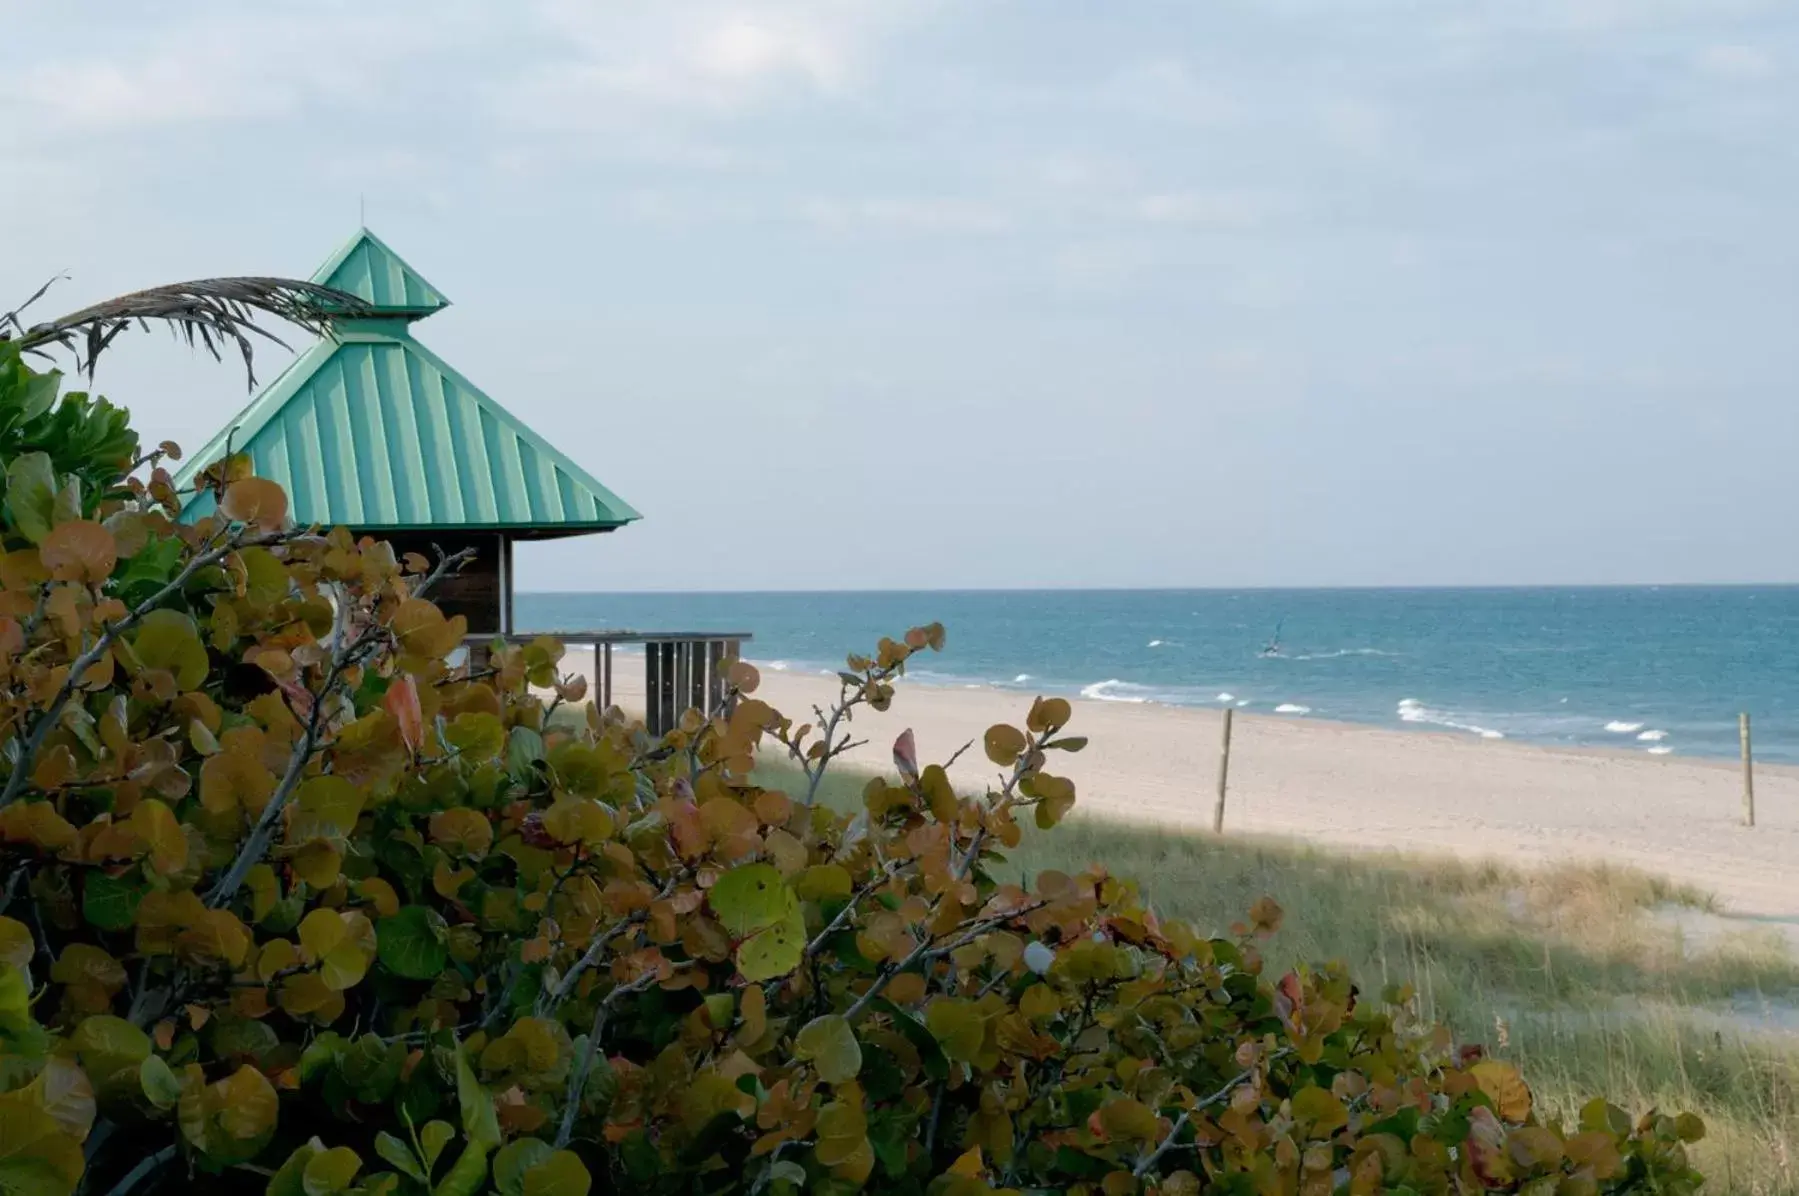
[[1224, 773], [1748, 771]]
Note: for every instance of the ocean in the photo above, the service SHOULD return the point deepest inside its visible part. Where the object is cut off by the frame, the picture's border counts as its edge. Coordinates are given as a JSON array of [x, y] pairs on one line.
[[1662, 670]]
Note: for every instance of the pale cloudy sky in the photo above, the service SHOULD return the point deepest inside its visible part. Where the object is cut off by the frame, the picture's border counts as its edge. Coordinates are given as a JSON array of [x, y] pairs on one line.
[[1034, 292]]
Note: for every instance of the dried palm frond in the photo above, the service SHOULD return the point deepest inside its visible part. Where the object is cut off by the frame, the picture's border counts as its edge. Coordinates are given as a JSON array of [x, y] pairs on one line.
[[212, 312]]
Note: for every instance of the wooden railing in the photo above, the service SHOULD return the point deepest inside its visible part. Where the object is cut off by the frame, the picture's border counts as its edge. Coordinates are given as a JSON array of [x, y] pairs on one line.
[[683, 670]]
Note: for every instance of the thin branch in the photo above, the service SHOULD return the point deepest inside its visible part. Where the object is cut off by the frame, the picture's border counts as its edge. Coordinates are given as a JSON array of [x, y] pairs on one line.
[[927, 951], [849, 910], [342, 660], [21, 769], [595, 951], [577, 1079], [1217, 1098], [136, 1175]]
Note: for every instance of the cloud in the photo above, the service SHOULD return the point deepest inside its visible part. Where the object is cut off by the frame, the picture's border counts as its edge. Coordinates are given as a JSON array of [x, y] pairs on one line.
[[695, 57], [926, 215], [1355, 125], [1728, 60], [1205, 209], [229, 64], [1168, 90]]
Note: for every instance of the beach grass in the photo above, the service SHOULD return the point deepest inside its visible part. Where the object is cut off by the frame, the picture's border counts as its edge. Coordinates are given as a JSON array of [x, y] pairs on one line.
[[1591, 978]]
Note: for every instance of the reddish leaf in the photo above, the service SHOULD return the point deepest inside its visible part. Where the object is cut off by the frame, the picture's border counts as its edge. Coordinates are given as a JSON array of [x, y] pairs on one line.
[[905, 756], [402, 701]]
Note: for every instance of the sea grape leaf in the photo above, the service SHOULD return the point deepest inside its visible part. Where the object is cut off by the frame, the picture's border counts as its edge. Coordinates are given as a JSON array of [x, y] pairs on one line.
[[830, 1043], [776, 950], [750, 898], [480, 1125], [562, 1174], [516, 1158], [412, 943], [110, 902]]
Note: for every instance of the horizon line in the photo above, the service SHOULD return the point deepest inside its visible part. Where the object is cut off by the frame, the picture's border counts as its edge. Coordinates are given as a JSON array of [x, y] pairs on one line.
[[1434, 587]]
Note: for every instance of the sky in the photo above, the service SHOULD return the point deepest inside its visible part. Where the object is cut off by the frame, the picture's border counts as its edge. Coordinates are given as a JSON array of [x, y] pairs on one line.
[[1000, 293]]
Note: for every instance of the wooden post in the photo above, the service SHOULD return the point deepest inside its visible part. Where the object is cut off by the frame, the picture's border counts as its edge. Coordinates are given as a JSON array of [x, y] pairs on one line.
[[1748, 771], [1224, 773]]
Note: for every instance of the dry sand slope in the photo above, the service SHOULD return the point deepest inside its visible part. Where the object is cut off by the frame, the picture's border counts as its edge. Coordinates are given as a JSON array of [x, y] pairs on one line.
[[1368, 787]]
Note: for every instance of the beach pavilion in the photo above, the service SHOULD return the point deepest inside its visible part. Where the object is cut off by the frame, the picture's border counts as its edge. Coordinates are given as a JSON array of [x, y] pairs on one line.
[[371, 430]]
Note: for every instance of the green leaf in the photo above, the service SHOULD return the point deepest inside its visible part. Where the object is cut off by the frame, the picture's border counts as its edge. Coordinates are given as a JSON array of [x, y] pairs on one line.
[[39, 394], [290, 1180], [479, 1123], [37, 1158], [169, 639], [562, 1174], [396, 1152], [331, 1171], [775, 951], [31, 495], [523, 748], [15, 1000], [107, 1044], [930, 1053], [749, 899], [411, 943], [67, 505], [161, 1086], [467, 1176], [516, 1158], [957, 1023], [434, 1137], [787, 1169], [831, 1045]]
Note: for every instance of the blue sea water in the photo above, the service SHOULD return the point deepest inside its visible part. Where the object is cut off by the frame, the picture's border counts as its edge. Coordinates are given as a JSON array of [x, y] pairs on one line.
[[1650, 669]]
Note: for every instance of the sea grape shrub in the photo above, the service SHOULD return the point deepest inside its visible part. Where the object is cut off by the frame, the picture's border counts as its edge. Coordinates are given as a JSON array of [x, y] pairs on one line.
[[291, 902]]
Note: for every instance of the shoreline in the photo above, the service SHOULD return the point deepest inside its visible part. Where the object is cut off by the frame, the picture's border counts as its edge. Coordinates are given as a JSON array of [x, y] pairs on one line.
[[1364, 787], [772, 669]]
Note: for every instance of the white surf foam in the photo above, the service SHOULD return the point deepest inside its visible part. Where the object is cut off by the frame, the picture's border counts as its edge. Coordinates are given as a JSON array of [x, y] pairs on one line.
[[1411, 710], [1021, 679], [777, 666], [1227, 697], [1113, 691], [1620, 727], [1660, 750], [1341, 652], [1241, 702], [1155, 643], [1652, 736], [1292, 708]]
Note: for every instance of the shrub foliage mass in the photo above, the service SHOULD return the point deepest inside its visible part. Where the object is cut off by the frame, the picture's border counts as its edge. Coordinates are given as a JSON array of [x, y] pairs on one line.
[[292, 902]]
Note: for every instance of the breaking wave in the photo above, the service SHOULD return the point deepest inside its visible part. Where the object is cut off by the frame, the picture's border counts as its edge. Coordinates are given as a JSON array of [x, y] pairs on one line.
[[1411, 710], [1292, 708], [1652, 736], [1115, 691], [1619, 727], [1227, 697], [1338, 653]]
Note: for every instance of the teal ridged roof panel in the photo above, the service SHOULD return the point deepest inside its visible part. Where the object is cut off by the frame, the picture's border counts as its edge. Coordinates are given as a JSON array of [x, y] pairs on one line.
[[366, 268], [375, 431]]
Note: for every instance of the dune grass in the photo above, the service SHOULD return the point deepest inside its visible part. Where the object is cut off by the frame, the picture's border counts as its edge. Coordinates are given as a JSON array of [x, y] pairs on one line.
[[1576, 973]]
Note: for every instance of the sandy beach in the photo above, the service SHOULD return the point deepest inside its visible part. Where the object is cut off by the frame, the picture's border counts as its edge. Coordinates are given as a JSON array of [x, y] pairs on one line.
[[1368, 787]]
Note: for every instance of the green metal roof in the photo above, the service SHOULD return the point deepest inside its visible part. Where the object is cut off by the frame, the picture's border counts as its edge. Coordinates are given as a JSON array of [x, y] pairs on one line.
[[366, 268], [372, 430]]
